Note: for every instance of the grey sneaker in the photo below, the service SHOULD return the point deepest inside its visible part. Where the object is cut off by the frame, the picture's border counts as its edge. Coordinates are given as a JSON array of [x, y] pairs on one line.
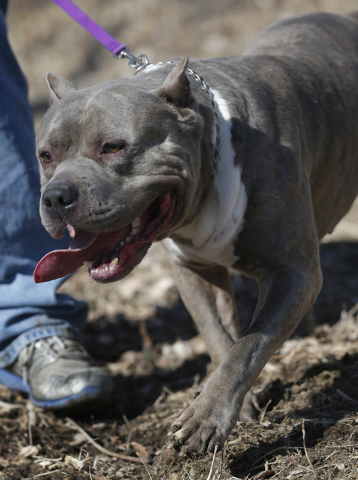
[[57, 373]]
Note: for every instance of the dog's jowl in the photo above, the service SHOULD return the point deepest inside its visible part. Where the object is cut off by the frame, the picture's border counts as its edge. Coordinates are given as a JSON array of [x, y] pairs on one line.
[[246, 169]]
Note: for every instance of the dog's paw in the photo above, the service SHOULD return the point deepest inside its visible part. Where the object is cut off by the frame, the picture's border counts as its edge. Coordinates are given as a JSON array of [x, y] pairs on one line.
[[249, 409], [204, 425]]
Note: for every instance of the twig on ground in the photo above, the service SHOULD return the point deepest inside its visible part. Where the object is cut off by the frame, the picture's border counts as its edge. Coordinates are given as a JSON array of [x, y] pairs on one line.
[[331, 455], [346, 397], [44, 461], [167, 390], [46, 473], [273, 451], [263, 413], [212, 462], [129, 426], [265, 473], [31, 420], [29, 432], [7, 409], [99, 447], [305, 449], [161, 397], [295, 464], [145, 466]]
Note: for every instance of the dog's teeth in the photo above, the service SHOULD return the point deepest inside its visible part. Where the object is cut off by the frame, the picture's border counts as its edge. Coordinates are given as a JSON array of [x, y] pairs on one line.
[[113, 264], [122, 244], [136, 222], [106, 269], [128, 239], [88, 265]]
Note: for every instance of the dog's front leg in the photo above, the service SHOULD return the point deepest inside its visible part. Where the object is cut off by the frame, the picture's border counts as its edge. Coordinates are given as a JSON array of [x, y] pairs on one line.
[[207, 293], [285, 295]]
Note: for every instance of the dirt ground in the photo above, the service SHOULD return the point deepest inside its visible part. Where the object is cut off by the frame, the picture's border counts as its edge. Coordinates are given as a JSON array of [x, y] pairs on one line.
[[307, 395]]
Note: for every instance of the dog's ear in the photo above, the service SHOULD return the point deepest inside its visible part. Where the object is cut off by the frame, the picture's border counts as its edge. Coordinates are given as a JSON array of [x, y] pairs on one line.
[[58, 87], [176, 88]]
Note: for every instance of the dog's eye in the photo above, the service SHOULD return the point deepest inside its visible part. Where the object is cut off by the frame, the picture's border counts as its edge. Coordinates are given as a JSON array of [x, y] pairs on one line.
[[46, 157], [113, 147]]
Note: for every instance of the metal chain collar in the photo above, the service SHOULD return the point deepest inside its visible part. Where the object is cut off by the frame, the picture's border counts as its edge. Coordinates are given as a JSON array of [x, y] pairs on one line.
[[142, 61]]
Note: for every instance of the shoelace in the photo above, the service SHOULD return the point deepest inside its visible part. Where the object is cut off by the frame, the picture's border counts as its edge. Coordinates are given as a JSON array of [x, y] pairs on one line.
[[53, 347]]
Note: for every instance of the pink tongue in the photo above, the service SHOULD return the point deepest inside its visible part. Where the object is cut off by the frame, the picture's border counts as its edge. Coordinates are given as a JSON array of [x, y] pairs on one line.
[[84, 247], [60, 263]]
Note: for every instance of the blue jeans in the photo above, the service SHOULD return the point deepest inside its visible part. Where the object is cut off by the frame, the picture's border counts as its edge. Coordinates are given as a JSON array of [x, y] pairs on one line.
[[27, 311]]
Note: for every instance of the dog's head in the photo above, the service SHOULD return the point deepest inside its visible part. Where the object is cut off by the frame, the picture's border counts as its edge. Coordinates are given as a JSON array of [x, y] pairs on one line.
[[119, 168]]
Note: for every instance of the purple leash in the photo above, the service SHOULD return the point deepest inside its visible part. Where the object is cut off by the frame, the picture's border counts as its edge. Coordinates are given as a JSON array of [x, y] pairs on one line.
[[118, 49]]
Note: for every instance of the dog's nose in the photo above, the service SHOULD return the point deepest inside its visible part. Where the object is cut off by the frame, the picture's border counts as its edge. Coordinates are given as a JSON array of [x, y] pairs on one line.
[[60, 196]]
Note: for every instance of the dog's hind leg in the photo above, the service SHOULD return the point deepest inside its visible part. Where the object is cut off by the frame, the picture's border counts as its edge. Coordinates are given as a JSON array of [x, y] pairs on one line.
[[208, 296]]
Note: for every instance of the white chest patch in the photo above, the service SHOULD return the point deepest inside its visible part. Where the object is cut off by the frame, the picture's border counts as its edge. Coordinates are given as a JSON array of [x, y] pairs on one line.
[[213, 232]]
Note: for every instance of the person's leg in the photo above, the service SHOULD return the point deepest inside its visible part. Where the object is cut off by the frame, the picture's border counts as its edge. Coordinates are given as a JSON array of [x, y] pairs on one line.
[[28, 312]]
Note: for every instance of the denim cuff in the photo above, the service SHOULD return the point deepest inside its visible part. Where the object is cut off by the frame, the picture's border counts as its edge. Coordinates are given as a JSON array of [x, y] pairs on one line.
[[11, 352]]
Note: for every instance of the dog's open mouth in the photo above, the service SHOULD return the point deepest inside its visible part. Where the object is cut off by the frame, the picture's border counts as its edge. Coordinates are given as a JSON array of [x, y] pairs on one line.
[[108, 256]]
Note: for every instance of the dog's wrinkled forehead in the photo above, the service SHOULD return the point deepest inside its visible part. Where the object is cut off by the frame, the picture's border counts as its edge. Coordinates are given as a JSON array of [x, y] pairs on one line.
[[128, 110], [120, 112]]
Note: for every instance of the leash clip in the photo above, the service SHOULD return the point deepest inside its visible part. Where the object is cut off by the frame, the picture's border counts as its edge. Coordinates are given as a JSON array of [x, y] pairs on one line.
[[139, 63]]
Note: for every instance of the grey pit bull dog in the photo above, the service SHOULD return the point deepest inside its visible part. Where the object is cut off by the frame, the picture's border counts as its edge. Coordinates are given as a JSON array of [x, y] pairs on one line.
[[128, 162]]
